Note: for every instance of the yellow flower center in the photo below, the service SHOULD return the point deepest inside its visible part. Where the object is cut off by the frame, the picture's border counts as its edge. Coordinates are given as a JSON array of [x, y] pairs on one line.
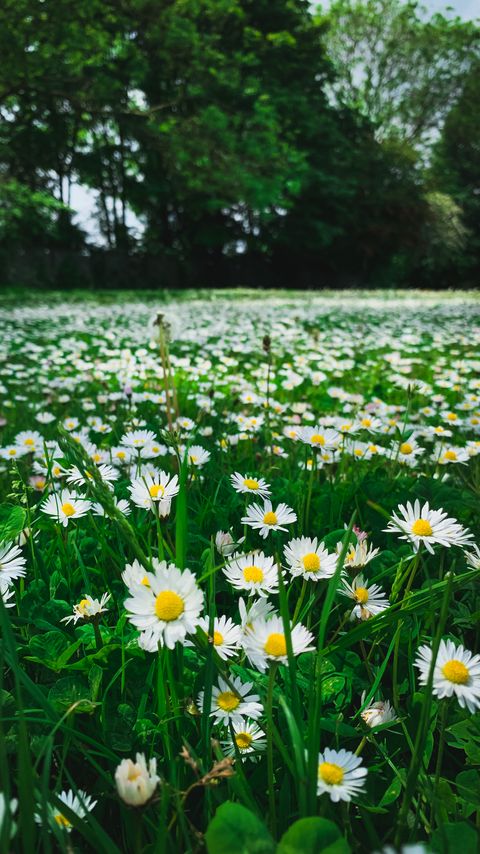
[[68, 509], [311, 562], [250, 483], [12, 452], [270, 518], [275, 645], [155, 490], [228, 701], [121, 455], [82, 605], [243, 740], [29, 442], [451, 416], [366, 422], [97, 458], [405, 448], [253, 573], [317, 439], [330, 773], [361, 595], [373, 449], [456, 672], [358, 452], [193, 458], [217, 638], [56, 471], [169, 605], [450, 455], [133, 774], [61, 820], [145, 581], [422, 528]]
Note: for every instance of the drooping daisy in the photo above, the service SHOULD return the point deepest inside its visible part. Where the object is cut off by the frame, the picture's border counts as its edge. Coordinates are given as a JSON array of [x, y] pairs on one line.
[[12, 563], [80, 804], [252, 485], [226, 635], [155, 491], [168, 607], [422, 525], [65, 506], [318, 437], [248, 739], [135, 574], [340, 775], [232, 702], [456, 671], [264, 642], [308, 558], [87, 608], [266, 519], [376, 714], [255, 572], [369, 599]]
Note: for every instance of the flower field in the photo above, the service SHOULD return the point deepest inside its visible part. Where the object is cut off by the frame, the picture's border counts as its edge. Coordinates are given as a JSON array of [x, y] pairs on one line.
[[239, 573]]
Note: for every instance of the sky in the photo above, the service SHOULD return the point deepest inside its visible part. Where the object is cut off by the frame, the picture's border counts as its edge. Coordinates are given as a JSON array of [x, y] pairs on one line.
[[83, 199]]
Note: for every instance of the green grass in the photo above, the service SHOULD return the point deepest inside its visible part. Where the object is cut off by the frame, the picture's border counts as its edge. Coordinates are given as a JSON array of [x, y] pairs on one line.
[[77, 699]]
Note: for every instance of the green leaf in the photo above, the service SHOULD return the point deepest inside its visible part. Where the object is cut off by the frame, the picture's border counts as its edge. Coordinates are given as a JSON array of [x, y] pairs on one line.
[[236, 830], [71, 691], [12, 521], [455, 836], [313, 836]]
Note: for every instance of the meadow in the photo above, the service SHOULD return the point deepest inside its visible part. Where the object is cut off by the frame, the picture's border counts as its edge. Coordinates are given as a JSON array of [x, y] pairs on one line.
[[239, 573]]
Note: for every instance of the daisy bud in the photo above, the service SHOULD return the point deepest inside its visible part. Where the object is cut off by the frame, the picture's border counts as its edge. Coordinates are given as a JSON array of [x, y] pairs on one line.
[[224, 543], [135, 781], [378, 713]]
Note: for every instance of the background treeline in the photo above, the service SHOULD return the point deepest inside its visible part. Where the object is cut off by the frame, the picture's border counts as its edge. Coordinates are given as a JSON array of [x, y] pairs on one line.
[[257, 141]]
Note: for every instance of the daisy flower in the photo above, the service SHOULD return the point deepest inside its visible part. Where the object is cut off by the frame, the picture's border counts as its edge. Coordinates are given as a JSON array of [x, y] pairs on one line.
[[340, 775], [137, 439], [169, 607], [106, 472], [318, 437], [135, 574], [7, 592], [196, 455], [79, 803], [12, 563], [254, 486], [451, 454], [265, 642], [226, 635], [232, 701], [259, 609], [155, 491], [120, 503], [309, 559], [456, 671], [87, 608], [31, 441], [265, 519], [378, 713], [370, 600], [136, 781], [422, 525], [65, 506], [473, 558], [358, 555], [255, 572], [247, 738]]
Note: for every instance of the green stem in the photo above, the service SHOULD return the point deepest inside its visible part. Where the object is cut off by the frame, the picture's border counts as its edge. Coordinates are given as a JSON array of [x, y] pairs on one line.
[[271, 784]]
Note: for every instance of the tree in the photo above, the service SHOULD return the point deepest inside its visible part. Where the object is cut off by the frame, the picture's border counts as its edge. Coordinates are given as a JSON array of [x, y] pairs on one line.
[[401, 69]]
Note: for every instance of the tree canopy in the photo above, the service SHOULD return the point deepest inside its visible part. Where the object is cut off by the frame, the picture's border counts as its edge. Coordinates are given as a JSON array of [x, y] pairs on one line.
[[252, 139]]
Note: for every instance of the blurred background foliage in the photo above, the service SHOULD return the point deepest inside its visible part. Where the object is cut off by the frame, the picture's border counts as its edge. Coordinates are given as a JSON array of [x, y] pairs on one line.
[[244, 142]]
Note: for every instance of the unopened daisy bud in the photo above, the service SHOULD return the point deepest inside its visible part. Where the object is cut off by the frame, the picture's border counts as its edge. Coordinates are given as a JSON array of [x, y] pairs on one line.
[[224, 543], [136, 782]]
